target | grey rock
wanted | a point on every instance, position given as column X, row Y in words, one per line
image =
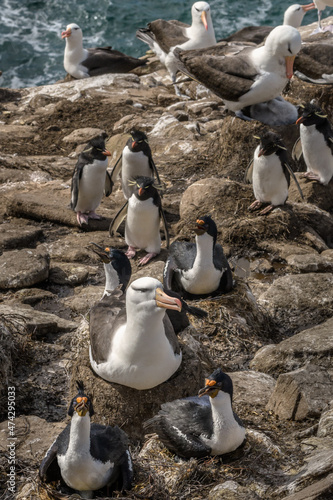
column 22, row 268
column 325, row 427
column 317, row 466
column 15, row 236
column 303, row 393
column 314, row 344
column 38, row 323
column 300, row 300
column 252, row 388
column 82, row 135
column 68, row 274
column 311, row 263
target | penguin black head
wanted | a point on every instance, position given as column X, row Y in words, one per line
column 95, row 149
column 144, row 188
column 217, row 381
column 270, row 143
column 204, row 225
column 117, row 259
column 138, row 141
column 312, row 114
column 80, row 403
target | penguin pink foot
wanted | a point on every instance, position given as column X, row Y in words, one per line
column 130, row 252
column 93, row 215
column 82, row 218
column 255, row 205
column 267, row 210
column 147, row 258
column 311, row 176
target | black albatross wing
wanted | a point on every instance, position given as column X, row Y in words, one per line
column 229, row 77
column 105, row 318
column 166, row 34
column 104, row 60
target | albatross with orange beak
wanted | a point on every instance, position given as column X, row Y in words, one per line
column 244, row 76
column 82, row 63
column 133, row 343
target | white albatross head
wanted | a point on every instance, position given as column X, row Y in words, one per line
column 146, row 295
column 293, row 16
column 73, row 34
column 201, row 14
column 284, row 42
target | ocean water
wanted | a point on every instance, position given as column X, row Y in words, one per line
column 31, row 48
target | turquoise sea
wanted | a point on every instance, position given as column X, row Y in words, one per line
column 31, row 48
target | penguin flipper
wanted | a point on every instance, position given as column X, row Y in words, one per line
column 290, row 170
column 77, row 174
column 154, row 169
column 297, row 150
column 118, row 219
column 249, row 173
column 165, row 227
column 116, row 170
column 108, row 184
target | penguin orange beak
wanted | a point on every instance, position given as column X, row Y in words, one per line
column 309, row 6
column 300, row 120
column 106, row 152
column 66, row 34
column 165, row 301
column 141, row 191
column 204, row 19
column 133, row 144
column 261, row 152
column 289, row 66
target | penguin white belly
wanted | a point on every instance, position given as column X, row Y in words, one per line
column 269, row 182
column 133, row 165
column 91, row 186
column 142, row 229
column 141, row 365
column 318, row 156
column 201, row 279
column 83, row 473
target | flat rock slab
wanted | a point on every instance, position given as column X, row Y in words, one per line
column 38, row 323
column 82, row 135
column 311, row 263
column 303, row 393
column 23, row 268
column 26, row 167
column 299, row 300
column 51, row 203
column 252, row 388
column 322, row 489
column 314, row 344
column 34, row 436
column 14, row 236
column 68, row 274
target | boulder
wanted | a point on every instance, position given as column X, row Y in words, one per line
column 303, row 393
column 299, row 300
column 22, row 268
column 314, row 344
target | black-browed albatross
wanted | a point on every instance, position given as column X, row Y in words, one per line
column 135, row 345
column 82, row 63
column 250, row 75
column 163, row 36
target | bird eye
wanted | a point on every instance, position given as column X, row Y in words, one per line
column 197, row 9
column 289, row 49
